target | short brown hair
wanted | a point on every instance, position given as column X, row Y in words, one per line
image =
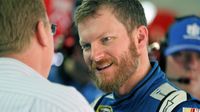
column 18, row 21
column 128, row 12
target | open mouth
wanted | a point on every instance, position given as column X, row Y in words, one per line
column 103, row 67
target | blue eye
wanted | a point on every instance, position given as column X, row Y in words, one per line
column 106, row 39
column 85, row 46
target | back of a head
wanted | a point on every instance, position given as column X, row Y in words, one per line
column 18, row 20
column 129, row 12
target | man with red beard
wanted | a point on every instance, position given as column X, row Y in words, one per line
column 113, row 37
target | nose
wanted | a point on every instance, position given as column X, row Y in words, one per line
column 192, row 63
column 97, row 52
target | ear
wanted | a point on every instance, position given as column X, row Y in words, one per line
column 142, row 37
column 41, row 34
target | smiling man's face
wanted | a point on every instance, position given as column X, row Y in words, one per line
column 108, row 50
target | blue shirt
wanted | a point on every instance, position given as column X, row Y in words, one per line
column 23, row 90
column 153, row 94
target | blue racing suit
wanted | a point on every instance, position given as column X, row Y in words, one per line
column 153, row 94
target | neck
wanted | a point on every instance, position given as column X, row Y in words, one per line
column 32, row 57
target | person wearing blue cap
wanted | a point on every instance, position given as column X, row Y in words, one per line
column 183, row 54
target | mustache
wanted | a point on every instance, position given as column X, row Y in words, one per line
column 95, row 64
column 182, row 80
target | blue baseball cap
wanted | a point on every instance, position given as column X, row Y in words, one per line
column 184, row 35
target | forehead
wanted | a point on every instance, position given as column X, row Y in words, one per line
column 104, row 22
column 102, row 15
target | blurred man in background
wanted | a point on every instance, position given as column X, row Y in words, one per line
column 26, row 51
column 183, row 54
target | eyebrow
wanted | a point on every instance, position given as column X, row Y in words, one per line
column 105, row 34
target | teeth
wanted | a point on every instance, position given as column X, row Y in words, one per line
column 103, row 66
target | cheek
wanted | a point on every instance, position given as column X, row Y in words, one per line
column 86, row 58
column 119, row 49
column 52, row 47
column 174, row 68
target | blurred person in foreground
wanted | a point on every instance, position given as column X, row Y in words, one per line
column 26, row 50
column 183, row 54
column 113, row 36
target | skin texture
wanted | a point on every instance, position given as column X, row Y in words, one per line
column 189, row 69
column 117, row 60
